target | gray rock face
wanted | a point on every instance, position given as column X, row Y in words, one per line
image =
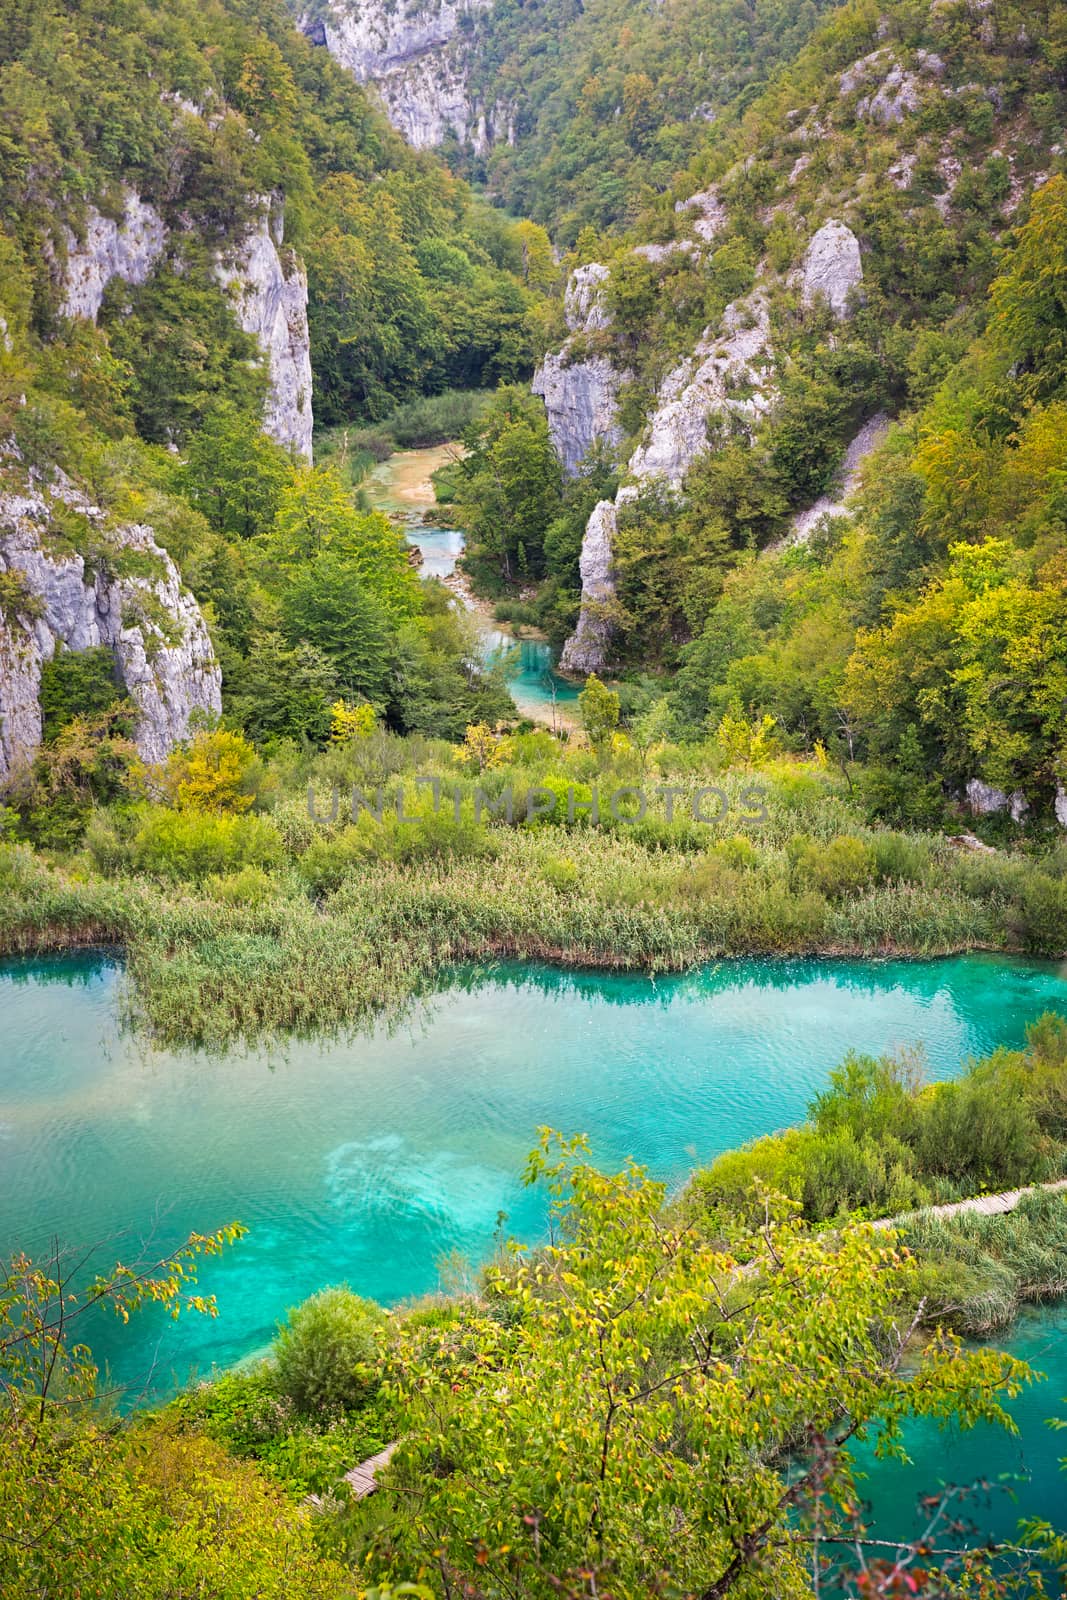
column 891, row 92
column 128, row 250
column 584, row 307
column 984, row 800
column 710, row 217
column 270, row 300
column 581, row 401
column 152, row 625
column 729, row 372
column 835, row 504
column 586, row 649
column 832, row 268
column 270, row 295
column 404, row 51
column 580, row 395
column 1060, row 805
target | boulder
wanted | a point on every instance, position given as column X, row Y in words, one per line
column 832, row 268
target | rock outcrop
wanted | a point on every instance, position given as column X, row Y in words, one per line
column 581, row 392
column 581, row 399
column 127, row 249
column 584, row 304
column 730, row 374
column 270, row 295
column 710, row 213
column 985, row 800
column 832, row 268
column 270, row 298
column 587, row 648
column 407, row 53
column 128, row 596
column 727, row 373
column 835, row 504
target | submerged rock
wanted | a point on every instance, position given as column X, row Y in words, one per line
column 125, row 594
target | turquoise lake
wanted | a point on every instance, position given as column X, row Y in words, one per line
column 371, row 1158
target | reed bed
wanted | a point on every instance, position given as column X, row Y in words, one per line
column 341, row 923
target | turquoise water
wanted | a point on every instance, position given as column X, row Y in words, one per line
column 440, row 547
column 1023, row 1471
column 369, row 1159
column 532, row 681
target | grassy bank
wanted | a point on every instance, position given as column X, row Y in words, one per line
column 353, row 449
column 880, row 1142
column 273, row 921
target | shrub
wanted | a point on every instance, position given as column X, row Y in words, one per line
column 248, row 887
column 732, row 1181
column 327, row 1351
column 74, row 684
column 1039, row 918
column 193, row 845
column 846, row 1173
column 560, row 874
column 898, row 858
column 835, row 869
column 976, row 1134
column 216, row 771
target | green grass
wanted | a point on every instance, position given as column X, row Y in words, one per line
column 354, row 448
column 348, row 922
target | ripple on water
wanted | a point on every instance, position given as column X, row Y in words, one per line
column 367, row 1159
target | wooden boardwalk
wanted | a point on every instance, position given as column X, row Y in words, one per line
column 983, row 1205
column 363, row 1479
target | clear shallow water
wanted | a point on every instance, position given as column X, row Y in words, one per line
column 403, row 485
column 532, row 682
column 1023, row 1470
column 441, row 548
column 369, row 1159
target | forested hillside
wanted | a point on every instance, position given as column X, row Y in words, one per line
column 205, row 231
column 878, row 236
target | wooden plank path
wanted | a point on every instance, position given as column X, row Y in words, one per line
column 363, row 1479
column 984, row 1205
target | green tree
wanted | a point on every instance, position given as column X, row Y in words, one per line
column 618, row 1416
column 599, row 709
column 234, row 473
column 508, row 488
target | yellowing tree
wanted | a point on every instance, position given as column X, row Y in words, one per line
column 351, row 722
column 214, row 772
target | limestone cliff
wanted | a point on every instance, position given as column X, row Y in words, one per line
column 270, row 293
column 580, row 391
column 269, row 288
column 413, row 56
column 126, row 249
column 729, row 373
column 125, row 593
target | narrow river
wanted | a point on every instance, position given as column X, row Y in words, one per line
column 403, row 488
